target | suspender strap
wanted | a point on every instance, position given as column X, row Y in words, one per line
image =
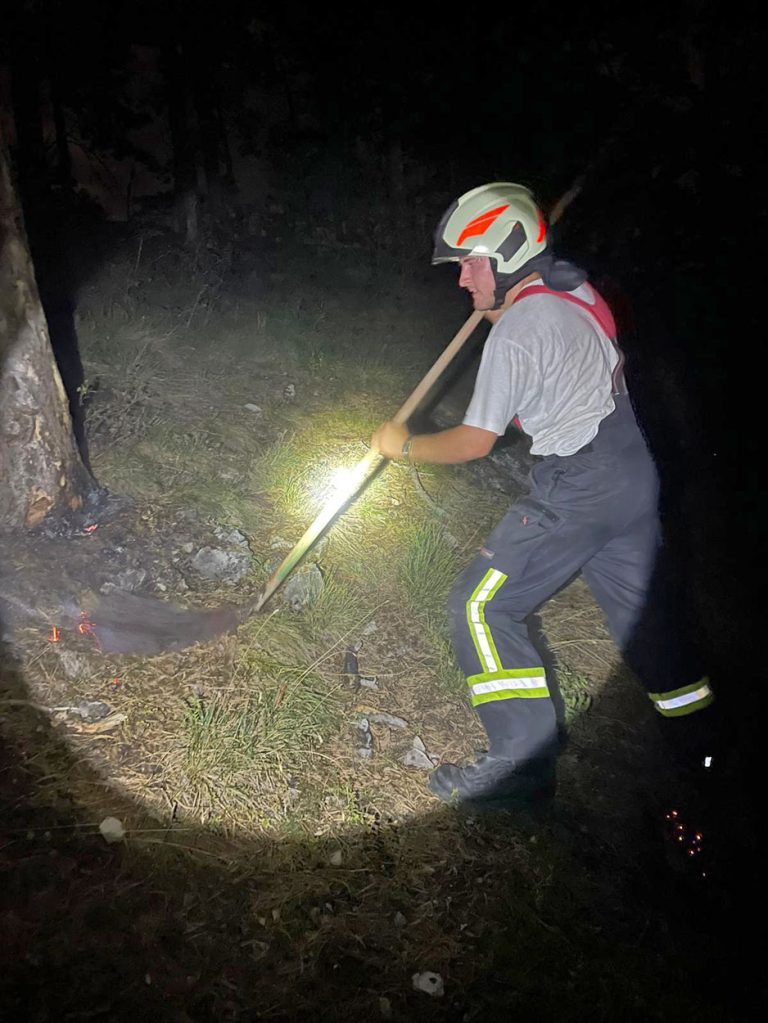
column 599, row 312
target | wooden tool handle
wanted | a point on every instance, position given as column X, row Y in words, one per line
column 429, row 379
column 364, row 469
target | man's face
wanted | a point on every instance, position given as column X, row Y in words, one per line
column 477, row 277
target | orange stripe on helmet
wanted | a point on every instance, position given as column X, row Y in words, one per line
column 481, row 224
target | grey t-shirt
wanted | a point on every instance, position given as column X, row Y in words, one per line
column 547, row 362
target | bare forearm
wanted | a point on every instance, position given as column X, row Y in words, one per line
column 450, row 447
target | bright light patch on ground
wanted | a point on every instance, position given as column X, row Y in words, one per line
column 335, row 486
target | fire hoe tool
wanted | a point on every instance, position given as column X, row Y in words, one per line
column 366, row 468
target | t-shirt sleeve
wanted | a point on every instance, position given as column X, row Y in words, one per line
column 506, row 373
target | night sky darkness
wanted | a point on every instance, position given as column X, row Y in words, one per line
column 349, row 116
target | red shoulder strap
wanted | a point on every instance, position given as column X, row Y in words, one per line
column 599, row 310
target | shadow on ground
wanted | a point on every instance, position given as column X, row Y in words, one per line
column 572, row 914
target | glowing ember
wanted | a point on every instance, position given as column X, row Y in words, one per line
column 55, row 635
column 86, row 627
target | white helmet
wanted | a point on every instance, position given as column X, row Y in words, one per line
column 500, row 220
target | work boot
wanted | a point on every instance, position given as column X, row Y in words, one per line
column 494, row 779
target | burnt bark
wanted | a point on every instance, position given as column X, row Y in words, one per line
column 41, row 472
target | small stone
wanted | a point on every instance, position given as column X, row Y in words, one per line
column 289, row 392
column 90, row 710
column 187, row 547
column 232, row 536
column 415, row 758
column 253, row 408
column 364, row 733
column 385, row 1008
column 112, row 830
column 336, row 858
column 369, row 628
column 365, row 752
column 217, row 565
column 400, row 920
column 368, row 683
column 387, row 719
column 428, row 982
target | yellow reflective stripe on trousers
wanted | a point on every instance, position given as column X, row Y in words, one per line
column 481, row 634
column 685, row 700
column 509, row 684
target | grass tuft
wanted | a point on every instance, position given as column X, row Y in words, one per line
column 429, row 568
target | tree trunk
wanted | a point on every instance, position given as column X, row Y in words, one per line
column 183, row 147
column 40, row 470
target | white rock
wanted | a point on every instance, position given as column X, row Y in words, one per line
column 428, row 982
column 112, row 829
column 380, row 718
column 336, row 858
column 415, row 758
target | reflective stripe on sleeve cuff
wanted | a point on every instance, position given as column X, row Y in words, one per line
column 683, row 701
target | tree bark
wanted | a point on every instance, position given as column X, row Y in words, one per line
column 182, row 144
column 40, row 469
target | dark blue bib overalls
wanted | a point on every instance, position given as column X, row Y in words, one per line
column 594, row 513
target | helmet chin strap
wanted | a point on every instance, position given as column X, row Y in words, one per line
column 557, row 274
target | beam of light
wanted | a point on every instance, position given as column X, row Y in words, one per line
column 345, row 486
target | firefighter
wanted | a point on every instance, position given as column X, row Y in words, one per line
column 551, row 366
